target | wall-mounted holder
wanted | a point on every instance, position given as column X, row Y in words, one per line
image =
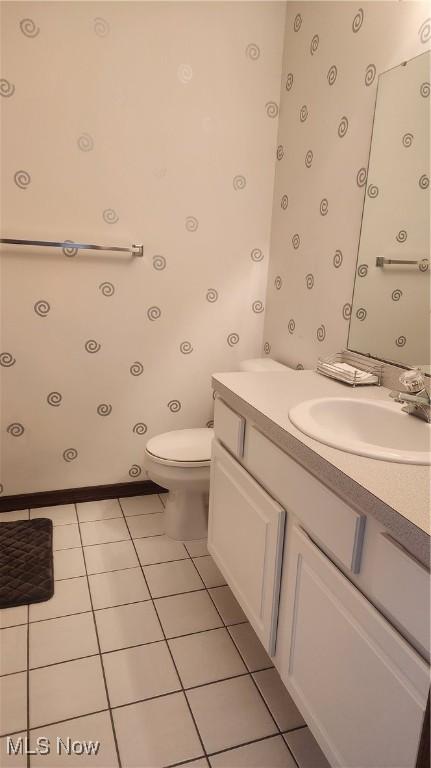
column 350, row 368
column 132, row 250
column 423, row 264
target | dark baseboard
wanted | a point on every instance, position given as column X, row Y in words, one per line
column 73, row 495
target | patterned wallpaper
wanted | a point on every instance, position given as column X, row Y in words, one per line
column 391, row 306
column 129, row 122
column 333, row 54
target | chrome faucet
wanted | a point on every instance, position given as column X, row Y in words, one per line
column 417, row 398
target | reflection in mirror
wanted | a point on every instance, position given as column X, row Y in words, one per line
column 390, row 312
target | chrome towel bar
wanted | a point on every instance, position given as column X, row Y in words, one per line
column 381, row 261
column 133, row 250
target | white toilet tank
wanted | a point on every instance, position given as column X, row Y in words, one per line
column 262, row 364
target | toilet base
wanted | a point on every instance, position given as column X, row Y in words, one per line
column 186, row 515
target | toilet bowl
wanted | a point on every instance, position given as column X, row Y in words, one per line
column 180, row 462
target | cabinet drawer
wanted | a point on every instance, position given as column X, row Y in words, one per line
column 338, row 527
column 401, row 586
column 245, row 537
column 360, row 687
column 229, row 427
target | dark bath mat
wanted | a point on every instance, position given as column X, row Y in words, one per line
column 26, row 562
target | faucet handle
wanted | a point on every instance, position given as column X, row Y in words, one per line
column 395, row 396
column 413, row 380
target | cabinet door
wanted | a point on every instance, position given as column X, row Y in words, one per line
column 361, row 688
column 245, row 537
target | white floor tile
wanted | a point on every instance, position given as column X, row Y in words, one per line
column 104, row 531
column 156, row 733
column 11, row 617
column 61, row 514
column 13, row 689
column 70, row 637
column 140, row 673
column 281, row 704
column 104, row 509
column 10, row 760
column 172, row 578
column 127, row 625
column 146, row 525
column 118, row 588
column 230, row 713
column 70, row 596
column 270, row 752
column 17, row 514
column 209, row 571
column 305, row 749
column 206, row 657
column 141, row 505
column 90, row 728
column 159, row 549
column 250, row 647
column 13, row 649
column 196, row 548
column 110, row 557
column 230, row 610
column 66, row 536
column 66, row 690
column 68, row 563
column 183, row 614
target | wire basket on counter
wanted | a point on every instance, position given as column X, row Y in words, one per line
column 351, row 368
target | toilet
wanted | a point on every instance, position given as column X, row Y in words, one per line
column 180, row 462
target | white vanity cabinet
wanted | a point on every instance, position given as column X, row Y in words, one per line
column 359, row 685
column 313, row 576
column 245, row 538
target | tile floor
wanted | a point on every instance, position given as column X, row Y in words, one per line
column 144, row 648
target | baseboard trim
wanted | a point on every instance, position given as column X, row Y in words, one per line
column 74, row 495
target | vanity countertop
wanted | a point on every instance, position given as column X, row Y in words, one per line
column 398, row 495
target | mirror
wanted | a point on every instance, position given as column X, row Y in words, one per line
column 391, row 300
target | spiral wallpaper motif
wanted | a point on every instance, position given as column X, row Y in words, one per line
column 101, row 351
column 333, row 55
column 6, row 88
column 54, row 399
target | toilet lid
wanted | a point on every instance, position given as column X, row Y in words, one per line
column 182, row 445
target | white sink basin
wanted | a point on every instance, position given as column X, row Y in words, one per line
column 366, row 427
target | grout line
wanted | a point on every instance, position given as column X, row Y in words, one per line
column 115, row 541
column 162, row 562
column 65, row 661
column 252, row 741
column 138, row 645
column 12, row 626
column 100, row 519
column 189, row 762
column 296, row 728
column 102, row 543
column 100, row 655
column 167, row 645
column 61, row 616
column 60, row 722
